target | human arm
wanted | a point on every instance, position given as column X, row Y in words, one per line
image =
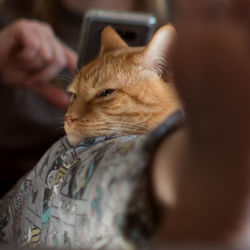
column 211, row 64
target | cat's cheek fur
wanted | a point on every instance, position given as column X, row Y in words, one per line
column 72, row 137
column 74, row 140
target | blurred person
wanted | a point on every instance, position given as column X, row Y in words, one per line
column 32, row 113
column 211, row 184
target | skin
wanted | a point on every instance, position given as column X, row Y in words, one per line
column 31, row 56
column 208, row 161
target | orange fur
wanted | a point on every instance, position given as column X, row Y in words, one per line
column 141, row 99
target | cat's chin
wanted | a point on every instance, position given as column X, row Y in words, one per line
column 74, row 140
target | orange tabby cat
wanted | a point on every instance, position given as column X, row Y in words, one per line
column 122, row 91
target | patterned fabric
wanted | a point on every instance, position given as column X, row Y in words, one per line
column 92, row 196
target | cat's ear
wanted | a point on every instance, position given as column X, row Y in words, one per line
column 110, row 40
column 155, row 54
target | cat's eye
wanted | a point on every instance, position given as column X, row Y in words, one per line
column 106, row 92
column 73, row 96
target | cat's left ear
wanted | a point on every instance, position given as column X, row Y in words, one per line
column 110, row 40
column 155, row 54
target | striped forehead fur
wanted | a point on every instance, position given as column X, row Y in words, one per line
column 119, row 65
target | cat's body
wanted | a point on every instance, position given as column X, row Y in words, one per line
column 121, row 92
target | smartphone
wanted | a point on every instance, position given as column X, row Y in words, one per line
column 136, row 28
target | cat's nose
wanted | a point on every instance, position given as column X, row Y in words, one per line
column 70, row 119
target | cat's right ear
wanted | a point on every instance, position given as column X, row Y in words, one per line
column 155, row 56
column 110, row 40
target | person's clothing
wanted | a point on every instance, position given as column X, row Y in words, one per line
column 29, row 124
column 97, row 195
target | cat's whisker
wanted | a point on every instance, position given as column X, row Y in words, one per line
column 77, row 69
column 60, row 128
column 132, row 128
column 129, row 127
column 66, row 73
column 66, row 76
column 60, row 123
column 63, row 79
column 127, row 123
column 118, row 132
column 121, row 126
column 121, row 129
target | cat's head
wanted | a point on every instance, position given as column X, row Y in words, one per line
column 122, row 91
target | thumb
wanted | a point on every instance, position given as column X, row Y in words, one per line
column 52, row 94
column 71, row 58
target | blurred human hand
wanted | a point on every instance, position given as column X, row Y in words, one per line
column 31, row 56
column 211, row 64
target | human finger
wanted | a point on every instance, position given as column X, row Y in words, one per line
column 27, row 38
column 44, row 54
column 57, row 63
column 16, row 37
column 71, row 59
column 58, row 49
column 52, row 94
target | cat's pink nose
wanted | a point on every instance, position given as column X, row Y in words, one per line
column 70, row 119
